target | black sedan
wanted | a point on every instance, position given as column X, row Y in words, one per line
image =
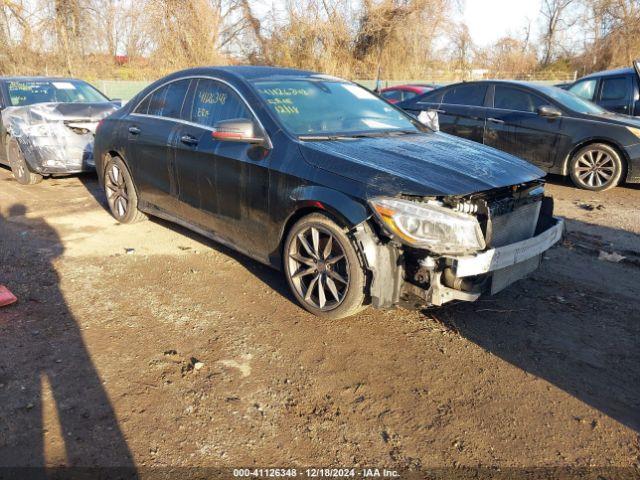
column 354, row 199
column 552, row 128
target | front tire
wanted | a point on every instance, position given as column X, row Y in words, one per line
column 596, row 167
column 323, row 268
column 121, row 193
column 18, row 164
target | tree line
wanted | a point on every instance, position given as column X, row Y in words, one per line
column 395, row 39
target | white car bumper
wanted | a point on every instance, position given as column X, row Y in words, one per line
column 509, row 255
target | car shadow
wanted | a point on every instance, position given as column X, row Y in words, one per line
column 574, row 323
column 266, row 274
column 46, row 371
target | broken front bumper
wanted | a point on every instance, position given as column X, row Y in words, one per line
column 487, row 272
column 506, row 265
column 503, row 257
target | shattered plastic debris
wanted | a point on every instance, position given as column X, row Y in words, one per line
column 610, row 257
column 6, row 297
column 56, row 137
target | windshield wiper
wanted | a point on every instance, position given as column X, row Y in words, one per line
column 314, row 138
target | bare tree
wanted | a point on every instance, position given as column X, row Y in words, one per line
column 554, row 21
column 462, row 47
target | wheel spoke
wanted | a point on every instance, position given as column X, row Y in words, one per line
column 309, row 292
column 303, row 272
column 122, row 206
column 306, row 245
column 304, row 260
column 315, row 238
column 585, row 161
column 327, row 248
column 334, row 259
column 331, row 285
column 336, row 276
column 322, row 298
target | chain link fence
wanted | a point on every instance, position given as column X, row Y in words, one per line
column 125, row 89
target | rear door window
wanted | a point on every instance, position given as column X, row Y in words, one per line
column 214, row 101
column 509, row 98
column 167, row 101
column 615, row 88
column 472, row 95
column 585, row 89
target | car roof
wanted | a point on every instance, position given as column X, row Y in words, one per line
column 249, row 72
column 518, row 83
column 607, row 73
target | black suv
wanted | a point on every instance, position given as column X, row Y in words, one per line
column 614, row 90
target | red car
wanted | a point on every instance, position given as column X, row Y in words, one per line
column 399, row 93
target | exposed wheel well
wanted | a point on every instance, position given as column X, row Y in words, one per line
column 617, row 148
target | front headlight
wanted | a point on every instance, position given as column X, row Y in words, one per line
column 634, row 131
column 432, row 227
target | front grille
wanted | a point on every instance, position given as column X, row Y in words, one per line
column 514, row 226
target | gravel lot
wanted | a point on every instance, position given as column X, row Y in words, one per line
column 150, row 345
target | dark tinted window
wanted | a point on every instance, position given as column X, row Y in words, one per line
column 166, row 101
column 408, row 95
column 614, row 88
column 392, row 95
column 214, row 101
column 509, row 98
column 144, row 106
column 431, row 97
column 466, row 95
column 156, row 104
column 174, row 98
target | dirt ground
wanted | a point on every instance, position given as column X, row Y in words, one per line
column 148, row 345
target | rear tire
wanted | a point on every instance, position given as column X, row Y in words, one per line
column 323, row 268
column 121, row 192
column 19, row 167
column 596, row 167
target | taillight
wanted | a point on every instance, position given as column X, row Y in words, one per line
column 99, row 125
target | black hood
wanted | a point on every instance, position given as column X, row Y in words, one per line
column 430, row 164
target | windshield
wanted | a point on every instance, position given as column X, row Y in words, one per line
column 573, row 102
column 324, row 108
column 28, row 92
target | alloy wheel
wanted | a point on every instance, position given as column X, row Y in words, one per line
column 595, row 168
column 319, row 268
column 116, row 190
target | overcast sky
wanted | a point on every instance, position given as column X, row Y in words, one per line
column 489, row 20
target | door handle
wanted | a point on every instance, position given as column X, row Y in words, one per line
column 134, row 130
column 495, row 120
column 189, row 140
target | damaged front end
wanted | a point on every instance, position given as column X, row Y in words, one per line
column 56, row 138
column 456, row 247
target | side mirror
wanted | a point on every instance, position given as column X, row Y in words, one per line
column 117, row 102
column 430, row 119
column 237, row 130
column 549, row 111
